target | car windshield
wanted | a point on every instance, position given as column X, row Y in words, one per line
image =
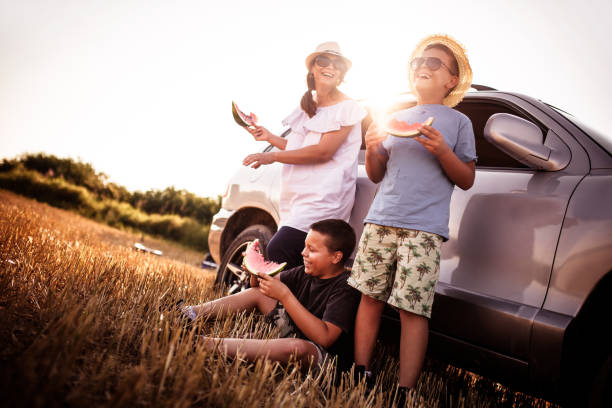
column 605, row 141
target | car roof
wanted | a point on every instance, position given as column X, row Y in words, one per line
column 404, row 100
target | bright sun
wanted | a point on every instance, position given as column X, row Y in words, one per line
column 379, row 92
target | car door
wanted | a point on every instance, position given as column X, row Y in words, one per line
column 496, row 266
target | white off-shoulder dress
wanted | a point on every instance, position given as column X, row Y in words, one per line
column 314, row 192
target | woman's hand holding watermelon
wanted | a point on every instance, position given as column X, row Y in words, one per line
column 260, row 133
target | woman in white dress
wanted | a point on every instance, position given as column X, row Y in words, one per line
column 319, row 155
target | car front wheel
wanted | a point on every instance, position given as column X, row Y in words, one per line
column 601, row 389
column 230, row 273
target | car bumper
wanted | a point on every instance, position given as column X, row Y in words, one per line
column 216, row 232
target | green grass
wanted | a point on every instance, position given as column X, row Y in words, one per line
column 60, row 193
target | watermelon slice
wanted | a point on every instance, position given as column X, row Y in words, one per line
column 405, row 129
column 255, row 263
column 242, row 118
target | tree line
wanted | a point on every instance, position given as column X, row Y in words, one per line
column 177, row 215
column 167, row 201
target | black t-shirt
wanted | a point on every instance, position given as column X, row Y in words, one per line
column 331, row 300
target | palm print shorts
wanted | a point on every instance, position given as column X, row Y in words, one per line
column 399, row 266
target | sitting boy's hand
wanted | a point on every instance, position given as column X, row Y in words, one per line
column 253, row 281
column 374, row 136
column 433, row 141
column 272, row 287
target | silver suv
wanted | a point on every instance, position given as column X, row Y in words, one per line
column 525, row 289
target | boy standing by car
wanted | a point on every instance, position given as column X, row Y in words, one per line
column 312, row 305
column 398, row 257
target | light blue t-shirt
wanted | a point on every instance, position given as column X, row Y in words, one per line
column 415, row 192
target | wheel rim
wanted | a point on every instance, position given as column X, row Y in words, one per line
column 234, row 277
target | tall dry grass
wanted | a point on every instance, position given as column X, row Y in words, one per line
column 85, row 322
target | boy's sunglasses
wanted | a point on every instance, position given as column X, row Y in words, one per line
column 432, row 63
column 324, row 61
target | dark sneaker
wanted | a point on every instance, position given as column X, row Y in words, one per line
column 401, row 396
column 360, row 372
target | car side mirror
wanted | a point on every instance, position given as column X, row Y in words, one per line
column 524, row 141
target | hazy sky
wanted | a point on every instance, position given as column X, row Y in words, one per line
column 142, row 89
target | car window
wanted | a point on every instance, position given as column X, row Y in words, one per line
column 489, row 155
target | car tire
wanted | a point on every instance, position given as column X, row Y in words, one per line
column 601, row 389
column 586, row 363
column 230, row 275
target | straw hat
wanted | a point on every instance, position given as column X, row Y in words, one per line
column 465, row 71
column 330, row 47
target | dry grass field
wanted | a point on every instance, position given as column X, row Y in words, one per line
column 84, row 321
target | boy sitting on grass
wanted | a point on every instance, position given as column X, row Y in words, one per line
column 398, row 259
column 312, row 304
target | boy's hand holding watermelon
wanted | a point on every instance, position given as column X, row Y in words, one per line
column 375, row 135
column 273, row 288
column 433, row 141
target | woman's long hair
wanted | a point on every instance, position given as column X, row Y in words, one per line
column 308, row 103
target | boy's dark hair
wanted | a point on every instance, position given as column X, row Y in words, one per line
column 442, row 47
column 340, row 236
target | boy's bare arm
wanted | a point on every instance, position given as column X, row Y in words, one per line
column 322, row 333
column 376, row 156
column 318, row 331
column 460, row 173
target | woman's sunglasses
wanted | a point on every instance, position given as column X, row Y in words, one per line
column 324, row 61
column 432, row 63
